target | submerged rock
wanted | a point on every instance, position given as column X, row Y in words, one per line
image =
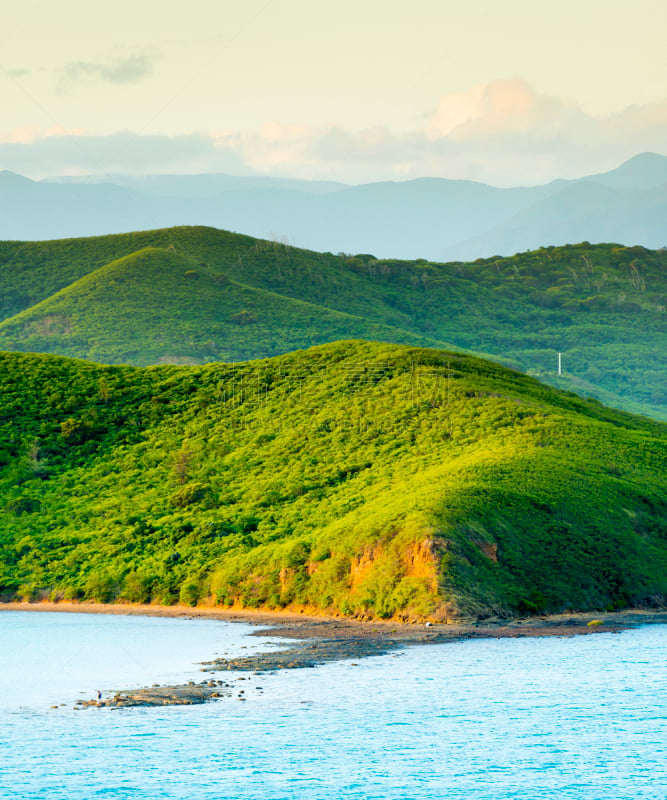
column 187, row 695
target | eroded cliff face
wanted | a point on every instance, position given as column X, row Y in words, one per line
column 416, row 560
column 406, row 572
column 396, row 577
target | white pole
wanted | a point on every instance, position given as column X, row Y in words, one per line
column 560, row 372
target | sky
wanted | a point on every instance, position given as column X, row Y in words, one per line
column 512, row 92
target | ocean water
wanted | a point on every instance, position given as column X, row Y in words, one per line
column 582, row 717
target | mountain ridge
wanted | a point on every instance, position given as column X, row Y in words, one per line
column 154, row 299
column 600, row 306
column 434, row 218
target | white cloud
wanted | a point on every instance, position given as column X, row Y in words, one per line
column 503, row 132
column 502, row 107
column 58, row 152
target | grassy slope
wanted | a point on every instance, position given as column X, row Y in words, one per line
column 157, row 306
column 354, row 477
column 601, row 305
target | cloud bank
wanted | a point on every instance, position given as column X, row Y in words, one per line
column 61, row 152
column 503, row 132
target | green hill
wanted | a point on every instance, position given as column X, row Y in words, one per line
column 157, row 306
column 358, row 478
column 601, row 306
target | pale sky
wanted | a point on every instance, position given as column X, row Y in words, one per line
column 503, row 90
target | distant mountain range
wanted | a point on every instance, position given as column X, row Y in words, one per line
column 432, row 218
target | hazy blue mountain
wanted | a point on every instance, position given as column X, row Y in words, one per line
column 643, row 171
column 419, row 218
column 430, row 218
column 198, row 186
column 583, row 211
column 32, row 210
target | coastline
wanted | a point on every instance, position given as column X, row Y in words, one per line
column 315, row 640
column 293, row 624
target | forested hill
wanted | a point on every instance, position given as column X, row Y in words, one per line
column 356, row 478
column 192, row 295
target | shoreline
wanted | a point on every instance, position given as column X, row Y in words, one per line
column 292, row 624
column 315, row 640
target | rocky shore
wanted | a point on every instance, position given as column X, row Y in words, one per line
column 312, row 641
column 189, row 694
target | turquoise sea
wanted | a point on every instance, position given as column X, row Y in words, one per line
column 582, row 717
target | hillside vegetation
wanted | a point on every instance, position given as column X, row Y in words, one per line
column 153, row 307
column 196, row 295
column 357, row 478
